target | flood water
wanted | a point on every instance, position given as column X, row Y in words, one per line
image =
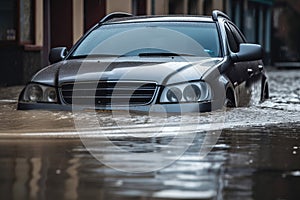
column 241, row 153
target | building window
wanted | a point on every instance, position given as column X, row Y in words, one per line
column 139, row 7
column 207, row 7
column 8, row 16
column 193, row 7
column 176, row 6
column 17, row 22
column 26, row 21
column 94, row 10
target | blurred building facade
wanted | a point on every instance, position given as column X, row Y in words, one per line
column 30, row 28
column 286, row 28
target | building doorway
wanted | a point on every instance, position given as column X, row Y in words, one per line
column 94, row 10
column 61, row 24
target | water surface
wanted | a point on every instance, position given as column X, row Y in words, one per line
column 256, row 155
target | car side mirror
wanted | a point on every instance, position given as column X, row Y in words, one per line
column 248, row 52
column 57, row 54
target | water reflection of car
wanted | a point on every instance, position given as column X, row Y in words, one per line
column 152, row 63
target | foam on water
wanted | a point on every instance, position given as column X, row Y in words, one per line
column 282, row 107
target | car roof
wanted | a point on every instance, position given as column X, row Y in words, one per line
column 162, row 18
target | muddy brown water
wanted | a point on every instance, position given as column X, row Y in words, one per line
column 253, row 152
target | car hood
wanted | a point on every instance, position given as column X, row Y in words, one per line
column 162, row 71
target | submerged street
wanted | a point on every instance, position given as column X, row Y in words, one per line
column 241, row 153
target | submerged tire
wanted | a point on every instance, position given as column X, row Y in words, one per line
column 230, row 100
column 229, row 103
column 265, row 92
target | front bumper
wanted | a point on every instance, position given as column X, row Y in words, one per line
column 156, row 108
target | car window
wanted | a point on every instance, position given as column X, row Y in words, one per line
column 231, row 39
column 133, row 39
column 237, row 34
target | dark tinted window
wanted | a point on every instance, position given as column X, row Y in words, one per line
column 237, row 35
column 234, row 36
column 231, row 39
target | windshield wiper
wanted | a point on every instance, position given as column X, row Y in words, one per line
column 78, row 57
column 149, row 54
column 93, row 56
column 163, row 54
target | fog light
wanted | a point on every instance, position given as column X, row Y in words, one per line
column 174, row 94
column 191, row 93
column 35, row 93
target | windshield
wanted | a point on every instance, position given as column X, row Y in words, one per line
column 152, row 39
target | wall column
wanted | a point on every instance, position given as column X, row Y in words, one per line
column 268, row 27
column 78, row 18
column 46, row 33
column 149, row 7
column 39, row 16
column 117, row 5
column 229, row 8
column 217, row 5
column 261, row 26
column 185, row 7
column 200, row 7
column 237, row 18
column 161, row 7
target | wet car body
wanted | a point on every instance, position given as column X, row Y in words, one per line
column 161, row 81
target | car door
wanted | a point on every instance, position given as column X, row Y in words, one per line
column 254, row 70
column 253, row 66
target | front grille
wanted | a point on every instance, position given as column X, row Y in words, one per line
column 108, row 93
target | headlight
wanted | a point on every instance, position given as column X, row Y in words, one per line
column 50, row 95
column 174, row 94
column 39, row 93
column 188, row 92
column 34, row 93
column 192, row 93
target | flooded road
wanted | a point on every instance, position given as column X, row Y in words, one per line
column 242, row 153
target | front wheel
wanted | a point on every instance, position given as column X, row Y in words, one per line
column 228, row 103
column 230, row 100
